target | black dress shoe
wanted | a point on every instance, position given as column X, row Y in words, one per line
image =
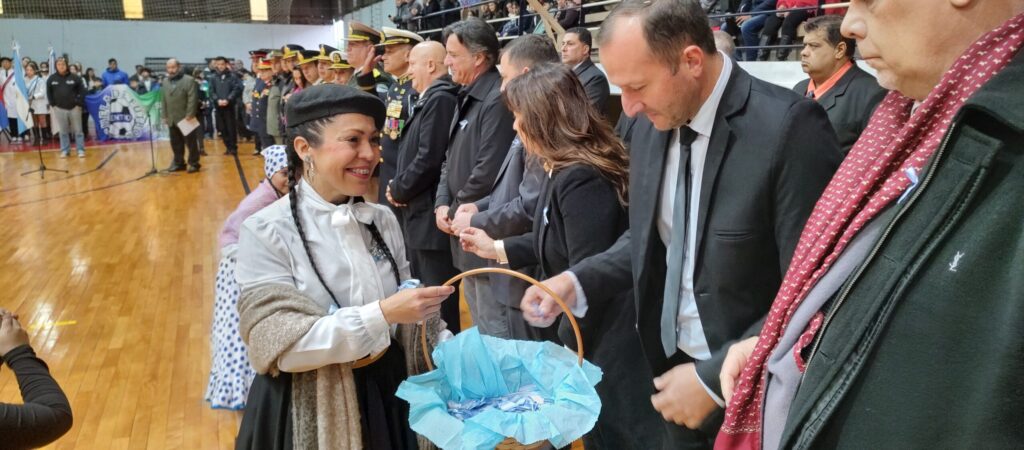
column 175, row 168
column 193, row 169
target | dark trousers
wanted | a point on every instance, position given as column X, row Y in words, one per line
column 178, row 143
column 433, row 268
column 227, row 126
column 242, row 118
column 263, row 140
column 788, row 25
column 680, row 437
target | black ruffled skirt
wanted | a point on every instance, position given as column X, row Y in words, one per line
column 267, row 421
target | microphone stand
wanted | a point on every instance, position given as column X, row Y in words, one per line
column 42, row 167
column 152, row 150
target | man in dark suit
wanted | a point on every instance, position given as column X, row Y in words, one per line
column 576, row 47
column 418, row 169
column 848, row 94
column 509, row 210
column 225, row 92
column 480, row 135
column 724, row 171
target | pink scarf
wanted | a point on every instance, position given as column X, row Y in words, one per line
column 871, row 177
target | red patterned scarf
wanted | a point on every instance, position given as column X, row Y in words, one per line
column 871, row 177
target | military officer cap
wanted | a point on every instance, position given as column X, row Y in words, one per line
column 329, row 100
column 291, row 51
column 362, row 32
column 261, row 53
column 308, row 56
column 275, row 54
column 264, row 64
column 325, row 52
column 338, row 61
column 394, row 36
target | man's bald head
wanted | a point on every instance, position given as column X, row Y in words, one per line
column 426, row 64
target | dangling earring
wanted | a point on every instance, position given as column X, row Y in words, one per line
column 310, row 169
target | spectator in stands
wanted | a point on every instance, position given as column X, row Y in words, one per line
column 181, row 102
column 511, row 27
column 508, row 211
column 788, row 22
column 37, row 104
column 46, row 414
column 576, row 45
column 848, row 94
column 480, row 139
column 415, row 11
column 66, row 95
column 403, row 12
column 432, row 22
column 225, row 91
column 452, row 16
column 113, row 75
column 751, row 24
column 569, row 15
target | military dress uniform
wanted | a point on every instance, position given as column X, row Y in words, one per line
column 378, row 82
column 398, row 104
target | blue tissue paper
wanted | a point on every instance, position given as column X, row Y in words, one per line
column 485, row 389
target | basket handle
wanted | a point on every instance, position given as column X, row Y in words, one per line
column 511, row 273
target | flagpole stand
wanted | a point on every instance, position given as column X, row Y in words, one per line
column 42, row 166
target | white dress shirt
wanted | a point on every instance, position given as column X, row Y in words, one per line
column 270, row 252
column 690, row 332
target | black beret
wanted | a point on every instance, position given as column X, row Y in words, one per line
column 329, row 100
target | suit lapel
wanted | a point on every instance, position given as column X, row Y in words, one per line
column 649, row 150
column 829, row 101
column 735, row 97
column 541, row 221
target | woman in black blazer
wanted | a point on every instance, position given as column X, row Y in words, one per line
column 581, row 212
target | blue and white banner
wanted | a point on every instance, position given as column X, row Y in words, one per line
column 122, row 114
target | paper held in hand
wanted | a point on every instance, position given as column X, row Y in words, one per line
column 187, row 125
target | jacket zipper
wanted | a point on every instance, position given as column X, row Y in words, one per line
column 878, row 245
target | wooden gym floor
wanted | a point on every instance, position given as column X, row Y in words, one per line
column 114, row 277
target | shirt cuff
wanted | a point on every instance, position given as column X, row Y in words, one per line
column 499, row 248
column 377, row 327
column 580, row 308
column 712, row 393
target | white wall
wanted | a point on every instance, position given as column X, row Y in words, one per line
column 93, row 42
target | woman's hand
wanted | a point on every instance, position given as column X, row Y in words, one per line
column 475, row 240
column 414, row 305
column 12, row 335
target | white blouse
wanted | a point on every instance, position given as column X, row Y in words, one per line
column 270, row 252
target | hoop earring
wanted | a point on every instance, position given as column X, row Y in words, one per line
column 310, row 169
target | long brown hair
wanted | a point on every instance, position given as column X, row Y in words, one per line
column 561, row 126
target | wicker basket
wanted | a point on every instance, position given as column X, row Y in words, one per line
column 510, row 443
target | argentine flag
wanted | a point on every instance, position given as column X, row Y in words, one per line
column 21, row 94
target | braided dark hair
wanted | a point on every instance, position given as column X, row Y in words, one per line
column 310, row 131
